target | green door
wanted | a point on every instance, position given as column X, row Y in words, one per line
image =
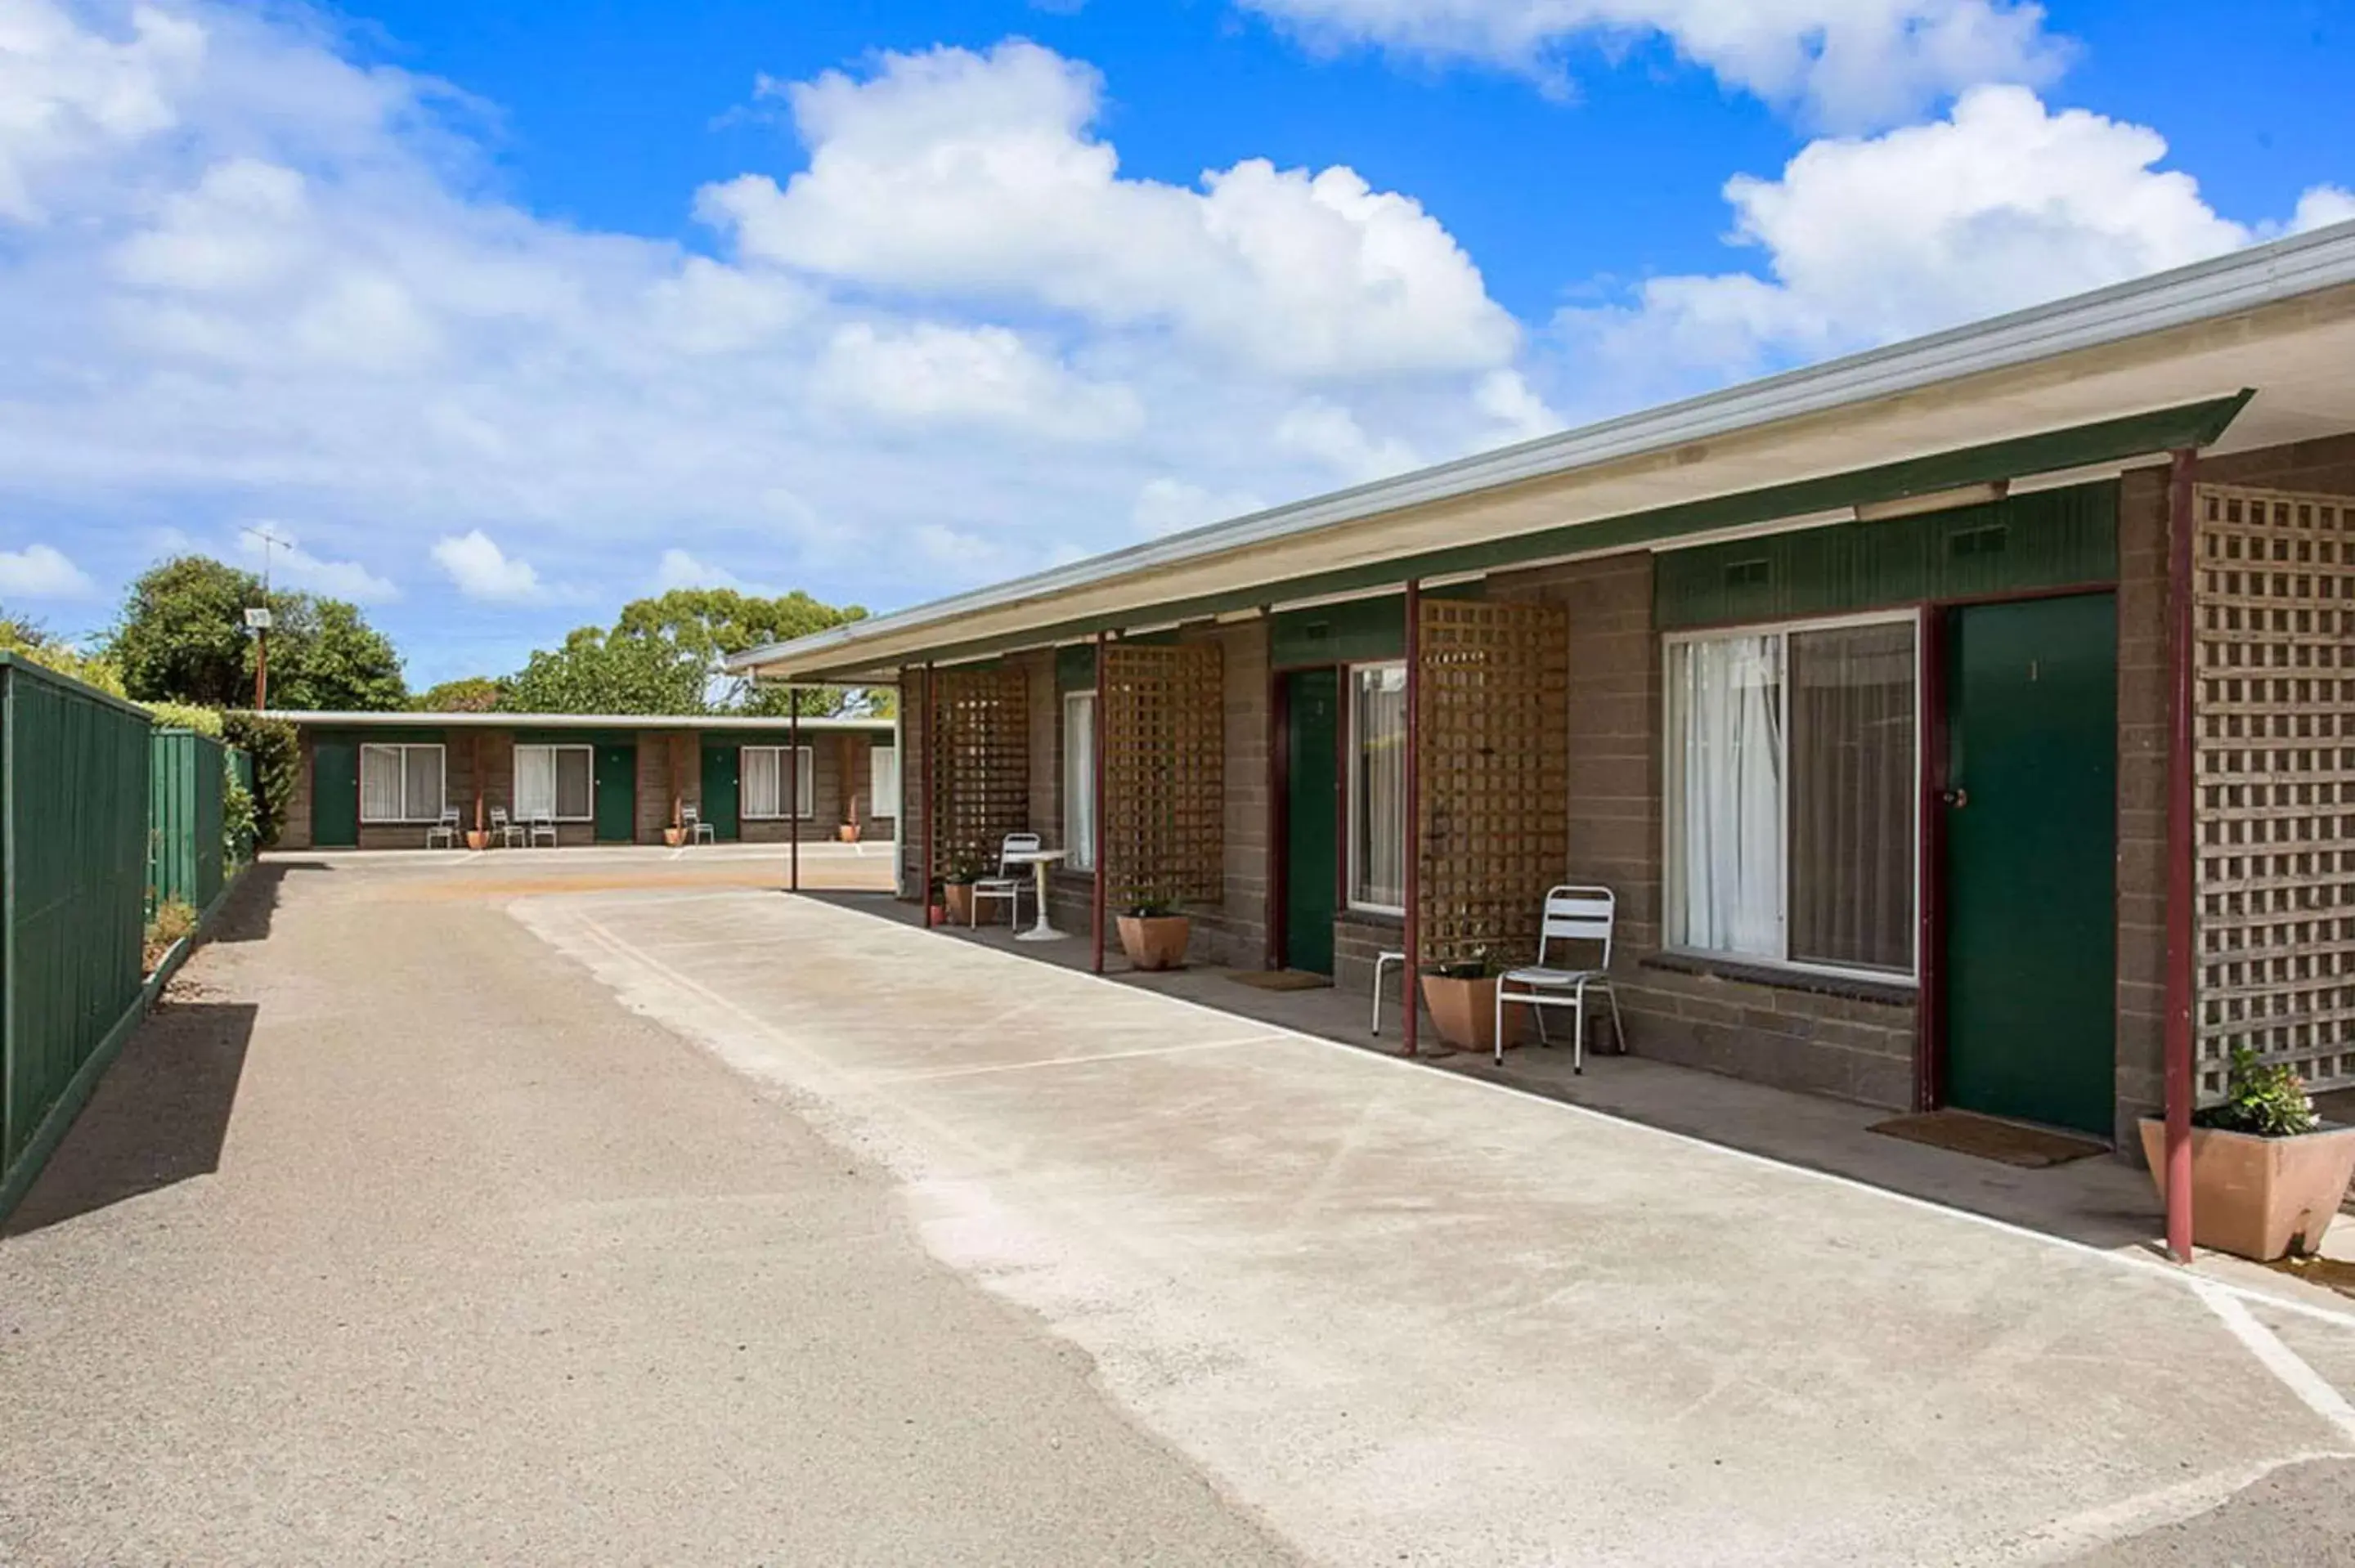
column 335, row 794
column 617, row 794
column 2031, row 971
column 720, row 788
column 1312, row 836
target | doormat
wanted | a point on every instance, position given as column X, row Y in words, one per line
column 1279, row 979
column 1965, row 1132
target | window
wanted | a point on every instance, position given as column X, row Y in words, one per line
column 1378, row 787
column 554, row 781
column 1791, row 769
column 400, row 783
column 883, row 781
column 765, row 784
column 1080, row 781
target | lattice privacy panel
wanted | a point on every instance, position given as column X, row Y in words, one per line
column 1495, row 744
column 981, row 762
column 1165, row 782
column 2273, row 782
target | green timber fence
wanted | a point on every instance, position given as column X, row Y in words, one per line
column 73, row 832
column 189, row 856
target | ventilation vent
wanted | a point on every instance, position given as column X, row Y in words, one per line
column 1746, row 574
column 1987, row 541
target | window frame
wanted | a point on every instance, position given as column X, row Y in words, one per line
column 807, row 801
column 1354, row 757
column 403, row 747
column 1671, row 814
column 1078, row 849
column 556, row 790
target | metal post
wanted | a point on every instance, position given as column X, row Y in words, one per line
column 793, row 781
column 1096, row 817
column 1410, row 979
column 926, row 730
column 262, row 669
column 2181, row 526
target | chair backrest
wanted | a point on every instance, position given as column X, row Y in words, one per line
column 687, row 814
column 1015, row 843
column 498, row 816
column 1577, row 915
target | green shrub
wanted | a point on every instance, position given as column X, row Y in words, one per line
column 175, row 920
column 277, row 760
column 187, row 715
column 2269, row 1101
column 238, row 820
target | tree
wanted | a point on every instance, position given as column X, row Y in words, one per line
column 712, row 623
column 181, row 638
column 467, row 694
column 599, row 672
column 31, row 640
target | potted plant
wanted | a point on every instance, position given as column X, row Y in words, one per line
column 956, row 888
column 1154, row 932
column 1462, row 996
column 2267, row 1175
column 478, row 837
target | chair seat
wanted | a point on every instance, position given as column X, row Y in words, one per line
column 1000, row 884
column 1552, row 977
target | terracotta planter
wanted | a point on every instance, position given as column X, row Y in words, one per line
column 1155, row 941
column 477, row 839
column 958, row 896
column 1465, row 1013
column 847, row 833
column 938, row 914
column 2258, row 1197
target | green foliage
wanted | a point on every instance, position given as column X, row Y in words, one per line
column 277, row 758
column 30, row 640
column 1484, row 963
column 598, row 671
column 181, row 638
column 239, row 821
column 175, row 920
column 708, row 624
column 2269, row 1101
column 468, row 694
column 181, row 716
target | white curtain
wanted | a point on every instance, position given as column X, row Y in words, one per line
column 883, row 781
column 422, row 792
column 1378, row 793
column 764, row 791
column 535, row 781
column 380, row 784
column 1080, row 779
column 1728, row 768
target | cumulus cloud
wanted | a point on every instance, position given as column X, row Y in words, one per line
column 927, row 373
column 678, row 569
column 978, row 175
column 1168, row 505
column 2002, row 205
column 289, row 563
column 1842, row 63
column 482, row 570
column 43, row 571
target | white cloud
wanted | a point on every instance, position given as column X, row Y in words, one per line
column 2322, row 207
column 1326, row 433
column 42, row 572
column 927, row 373
column 957, row 174
column 290, row 563
column 1168, row 506
column 678, row 569
column 71, row 93
column 1845, row 63
column 2004, row 204
column 482, row 570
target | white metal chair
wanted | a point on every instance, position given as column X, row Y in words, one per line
column 1571, row 915
column 1406, row 992
column 445, row 831
column 699, row 831
column 542, row 826
column 1011, row 881
column 505, row 829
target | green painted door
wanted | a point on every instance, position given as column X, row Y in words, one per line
column 1312, row 835
column 2031, row 970
column 335, row 794
column 617, row 794
column 720, row 781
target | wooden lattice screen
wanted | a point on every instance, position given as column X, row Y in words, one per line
column 981, row 762
column 2274, row 739
column 1495, row 733
column 1165, row 783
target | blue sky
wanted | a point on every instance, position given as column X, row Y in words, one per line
column 508, row 313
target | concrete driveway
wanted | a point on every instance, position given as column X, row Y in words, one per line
column 633, row 1213
column 1407, row 1316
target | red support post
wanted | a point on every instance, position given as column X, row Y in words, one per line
column 2183, row 527
column 1410, row 976
column 1096, row 817
column 793, row 781
column 929, row 802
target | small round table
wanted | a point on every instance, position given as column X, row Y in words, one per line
column 1040, row 859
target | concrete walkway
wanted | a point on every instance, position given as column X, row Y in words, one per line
column 390, row 1240
column 1412, row 1316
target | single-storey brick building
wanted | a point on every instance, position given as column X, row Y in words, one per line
column 382, row 780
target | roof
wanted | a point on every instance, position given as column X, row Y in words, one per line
column 2279, row 318
column 404, row 720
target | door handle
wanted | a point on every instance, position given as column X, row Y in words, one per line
column 1957, row 799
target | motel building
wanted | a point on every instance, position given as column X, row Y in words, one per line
column 1968, row 723
column 412, row 781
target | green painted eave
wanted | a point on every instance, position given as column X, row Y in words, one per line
column 2192, row 425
